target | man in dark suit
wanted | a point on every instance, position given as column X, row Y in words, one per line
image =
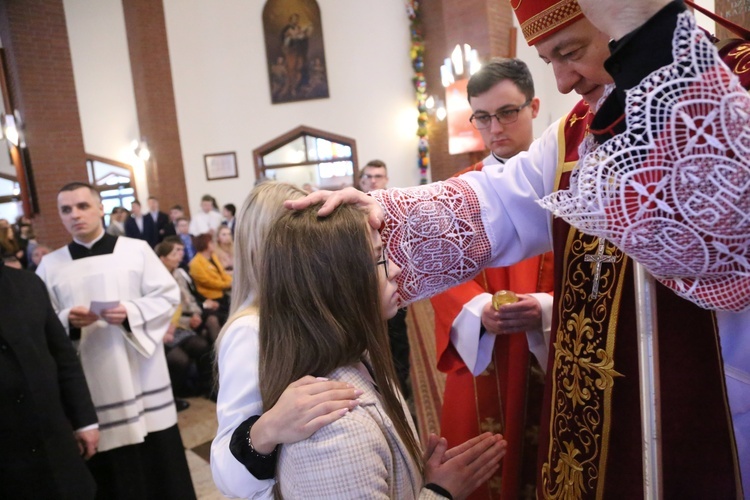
column 48, row 424
column 137, row 225
column 160, row 225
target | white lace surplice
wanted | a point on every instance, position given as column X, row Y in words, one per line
column 673, row 191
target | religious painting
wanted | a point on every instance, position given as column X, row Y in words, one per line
column 462, row 136
column 294, row 50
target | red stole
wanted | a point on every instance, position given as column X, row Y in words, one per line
column 590, row 435
column 495, row 400
column 736, row 54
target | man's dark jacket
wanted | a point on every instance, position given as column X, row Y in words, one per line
column 43, row 396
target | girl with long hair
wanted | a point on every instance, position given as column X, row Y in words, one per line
column 327, row 289
column 242, row 454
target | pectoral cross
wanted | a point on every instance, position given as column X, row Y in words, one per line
column 575, row 118
column 599, row 258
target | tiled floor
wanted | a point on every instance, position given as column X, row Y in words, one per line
column 198, row 428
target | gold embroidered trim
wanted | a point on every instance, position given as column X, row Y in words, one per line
column 549, row 19
column 742, row 53
column 583, row 374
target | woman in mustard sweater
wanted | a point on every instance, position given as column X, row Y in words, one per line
column 211, row 280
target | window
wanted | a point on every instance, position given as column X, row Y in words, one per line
column 308, row 157
column 114, row 181
column 10, row 196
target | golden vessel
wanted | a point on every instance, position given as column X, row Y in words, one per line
column 503, row 297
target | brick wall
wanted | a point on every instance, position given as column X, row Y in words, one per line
column 483, row 24
column 154, row 98
column 40, row 79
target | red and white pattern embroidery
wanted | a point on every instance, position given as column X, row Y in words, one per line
column 435, row 234
column 673, row 191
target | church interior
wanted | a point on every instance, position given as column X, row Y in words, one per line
column 177, row 99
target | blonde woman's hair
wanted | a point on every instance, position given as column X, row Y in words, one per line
column 320, row 307
column 261, row 208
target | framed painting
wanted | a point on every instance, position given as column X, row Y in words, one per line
column 294, row 50
column 220, row 166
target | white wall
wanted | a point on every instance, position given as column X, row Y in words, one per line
column 703, row 21
column 222, row 92
column 223, row 98
column 104, row 83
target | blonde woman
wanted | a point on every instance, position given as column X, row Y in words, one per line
column 242, row 454
column 327, row 289
column 225, row 248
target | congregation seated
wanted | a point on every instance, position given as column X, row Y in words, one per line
column 210, row 278
column 209, row 310
column 9, row 246
column 182, row 227
column 188, row 353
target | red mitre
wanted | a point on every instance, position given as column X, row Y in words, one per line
column 541, row 18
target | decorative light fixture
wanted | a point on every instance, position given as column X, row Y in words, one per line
column 436, row 107
column 413, row 10
column 141, row 150
column 11, row 128
column 460, row 59
column 457, row 60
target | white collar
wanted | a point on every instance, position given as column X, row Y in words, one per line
column 92, row 243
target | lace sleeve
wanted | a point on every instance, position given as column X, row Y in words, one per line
column 435, row 234
column 673, row 191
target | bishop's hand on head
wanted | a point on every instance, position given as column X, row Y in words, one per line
column 332, row 199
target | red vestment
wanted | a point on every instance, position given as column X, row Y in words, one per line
column 591, row 414
column 495, row 400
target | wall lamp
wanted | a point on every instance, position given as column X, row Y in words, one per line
column 141, row 150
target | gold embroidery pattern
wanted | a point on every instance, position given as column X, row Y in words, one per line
column 549, row 19
column 583, row 373
column 489, row 424
column 742, row 53
column 575, row 118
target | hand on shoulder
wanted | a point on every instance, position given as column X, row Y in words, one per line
column 304, row 407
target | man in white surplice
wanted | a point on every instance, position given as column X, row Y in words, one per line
column 116, row 300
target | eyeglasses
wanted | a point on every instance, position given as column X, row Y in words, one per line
column 504, row 116
column 383, row 262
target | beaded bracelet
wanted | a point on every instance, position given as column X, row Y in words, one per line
column 253, row 451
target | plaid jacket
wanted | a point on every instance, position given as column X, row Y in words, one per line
column 358, row 456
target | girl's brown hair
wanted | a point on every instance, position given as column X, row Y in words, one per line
column 261, row 208
column 320, row 307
